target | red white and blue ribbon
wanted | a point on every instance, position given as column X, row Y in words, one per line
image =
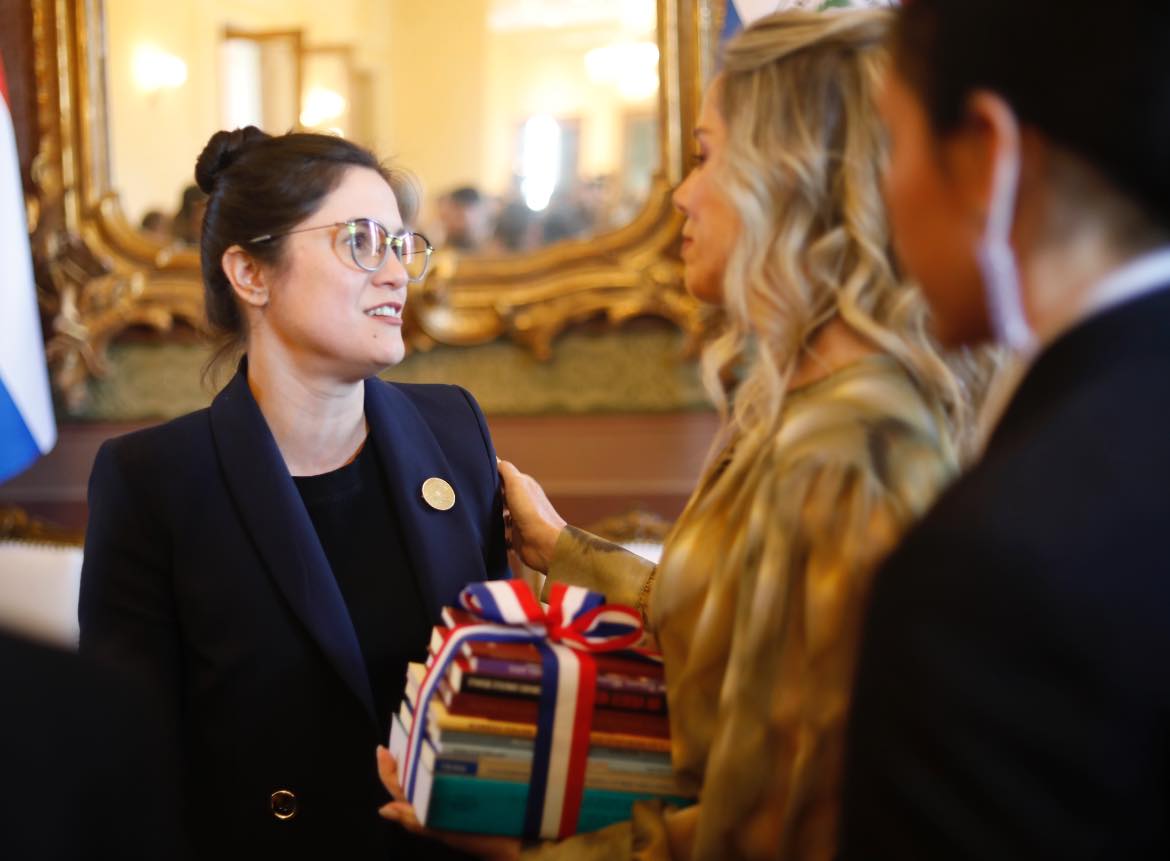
column 576, row 623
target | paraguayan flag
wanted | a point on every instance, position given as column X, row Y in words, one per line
column 27, row 428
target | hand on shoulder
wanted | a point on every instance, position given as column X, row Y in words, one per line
column 533, row 525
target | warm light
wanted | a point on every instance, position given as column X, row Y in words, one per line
column 632, row 67
column 540, row 160
column 639, row 85
column 156, row 70
column 633, row 16
column 639, row 17
column 321, row 105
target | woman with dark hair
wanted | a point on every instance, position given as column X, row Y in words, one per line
column 1010, row 700
column 267, row 566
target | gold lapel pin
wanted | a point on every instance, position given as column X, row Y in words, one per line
column 438, row 494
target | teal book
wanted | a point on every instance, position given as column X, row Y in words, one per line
column 472, row 804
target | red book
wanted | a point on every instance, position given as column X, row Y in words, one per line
column 462, row 679
column 523, row 710
column 531, row 672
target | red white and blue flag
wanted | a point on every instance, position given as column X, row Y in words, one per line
column 576, row 623
column 743, row 13
column 27, row 427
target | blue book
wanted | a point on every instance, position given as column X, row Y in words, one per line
column 472, row 804
column 467, row 745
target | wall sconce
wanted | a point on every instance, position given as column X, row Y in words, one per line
column 632, row 67
column 320, row 106
column 155, row 69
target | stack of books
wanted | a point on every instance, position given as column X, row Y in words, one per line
column 476, row 758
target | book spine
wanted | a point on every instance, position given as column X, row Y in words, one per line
column 438, row 724
column 525, row 711
column 597, row 776
column 441, row 720
column 479, row 806
column 466, row 745
column 611, row 759
column 529, row 654
column 459, row 682
column 604, row 698
column 531, row 671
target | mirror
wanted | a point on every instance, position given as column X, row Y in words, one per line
column 547, row 136
column 527, row 122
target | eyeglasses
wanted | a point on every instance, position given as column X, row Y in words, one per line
column 370, row 243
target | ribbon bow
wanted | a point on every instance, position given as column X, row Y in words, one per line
column 576, row 623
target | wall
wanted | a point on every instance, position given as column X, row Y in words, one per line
column 643, row 367
column 448, row 93
column 642, row 461
column 554, row 59
column 155, row 137
column 437, row 109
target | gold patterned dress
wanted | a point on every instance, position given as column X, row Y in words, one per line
column 756, row 606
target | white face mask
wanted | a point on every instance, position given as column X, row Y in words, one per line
column 997, row 261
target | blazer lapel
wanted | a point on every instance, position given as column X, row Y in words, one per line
column 276, row 519
column 442, row 545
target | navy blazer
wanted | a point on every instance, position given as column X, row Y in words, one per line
column 203, row 575
column 1012, row 697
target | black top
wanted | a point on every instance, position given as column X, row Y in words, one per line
column 360, row 534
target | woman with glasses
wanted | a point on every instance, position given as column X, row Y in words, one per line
column 267, row 566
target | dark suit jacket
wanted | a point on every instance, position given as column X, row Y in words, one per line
column 203, row 575
column 1013, row 696
column 79, row 770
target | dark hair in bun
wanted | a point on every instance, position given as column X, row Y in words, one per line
column 223, row 149
column 1090, row 76
column 260, row 184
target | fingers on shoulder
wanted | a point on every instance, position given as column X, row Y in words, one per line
column 511, row 474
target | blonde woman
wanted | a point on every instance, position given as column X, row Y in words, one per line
column 841, row 433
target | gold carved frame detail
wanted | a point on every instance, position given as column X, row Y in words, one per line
column 99, row 275
column 17, row 525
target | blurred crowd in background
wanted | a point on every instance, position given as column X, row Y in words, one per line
column 465, row 219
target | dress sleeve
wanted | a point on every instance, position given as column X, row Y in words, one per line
column 582, row 559
column 784, row 696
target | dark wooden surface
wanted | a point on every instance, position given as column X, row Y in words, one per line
column 16, row 49
column 592, row 466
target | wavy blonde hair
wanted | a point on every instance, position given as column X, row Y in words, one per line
column 805, row 151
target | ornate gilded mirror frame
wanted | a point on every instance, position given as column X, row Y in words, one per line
column 99, row 275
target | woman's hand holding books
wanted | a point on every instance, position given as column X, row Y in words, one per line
column 490, row 848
